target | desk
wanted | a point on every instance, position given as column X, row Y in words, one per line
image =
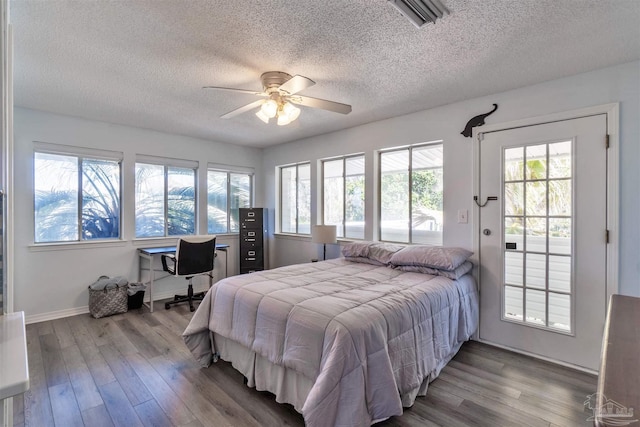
column 14, row 369
column 618, row 397
column 149, row 254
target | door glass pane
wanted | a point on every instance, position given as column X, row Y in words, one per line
column 560, row 311
column 560, row 235
column 216, row 202
column 560, row 197
column 394, row 192
column 536, row 234
column 181, row 201
column 538, row 204
column 536, row 162
column 514, row 198
column 536, row 199
column 560, row 273
column 513, row 303
column 513, row 230
column 513, row 266
column 149, row 200
column 536, row 271
column 560, row 160
column 514, row 164
column 536, row 307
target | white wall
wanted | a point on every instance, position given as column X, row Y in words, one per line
column 616, row 84
column 51, row 281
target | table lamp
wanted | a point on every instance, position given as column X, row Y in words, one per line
column 323, row 234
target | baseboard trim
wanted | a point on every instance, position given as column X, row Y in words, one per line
column 537, row 356
column 68, row 312
column 53, row 315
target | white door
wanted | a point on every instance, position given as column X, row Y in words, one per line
column 543, row 241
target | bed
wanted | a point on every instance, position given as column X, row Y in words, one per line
column 348, row 341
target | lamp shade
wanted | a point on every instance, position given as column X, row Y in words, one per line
column 323, row 234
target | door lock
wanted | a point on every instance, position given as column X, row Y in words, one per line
column 486, row 232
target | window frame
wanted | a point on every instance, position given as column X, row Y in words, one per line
column 229, row 172
column 167, row 163
column 297, row 198
column 344, row 160
column 80, row 154
column 409, row 149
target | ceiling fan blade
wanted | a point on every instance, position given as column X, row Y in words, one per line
column 252, row 92
column 243, row 109
column 306, row 101
column 295, row 84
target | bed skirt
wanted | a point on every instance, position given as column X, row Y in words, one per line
column 287, row 385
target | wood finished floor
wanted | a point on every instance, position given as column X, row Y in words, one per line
column 134, row 370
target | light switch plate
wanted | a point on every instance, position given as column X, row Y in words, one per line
column 463, row 216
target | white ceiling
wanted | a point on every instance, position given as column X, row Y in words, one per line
column 143, row 62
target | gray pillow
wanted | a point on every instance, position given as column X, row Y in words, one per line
column 356, row 249
column 454, row 274
column 363, row 260
column 383, row 252
column 442, row 258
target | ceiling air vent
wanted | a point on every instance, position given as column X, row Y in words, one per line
column 420, row 12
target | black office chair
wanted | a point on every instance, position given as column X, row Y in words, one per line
column 194, row 257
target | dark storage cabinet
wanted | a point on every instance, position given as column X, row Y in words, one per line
column 253, row 236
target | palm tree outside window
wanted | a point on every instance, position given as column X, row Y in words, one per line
column 165, row 197
column 76, row 198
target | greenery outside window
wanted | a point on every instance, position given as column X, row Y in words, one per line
column 295, row 198
column 77, row 194
column 165, row 198
column 343, row 195
column 226, row 193
column 411, row 194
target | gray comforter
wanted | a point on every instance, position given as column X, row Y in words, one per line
column 369, row 337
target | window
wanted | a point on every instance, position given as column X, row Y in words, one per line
column 538, row 223
column 165, row 198
column 226, row 193
column 343, row 195
column 76, row 196
column 411, row 194
column 295, row 199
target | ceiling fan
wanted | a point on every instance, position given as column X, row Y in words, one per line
column 279, row 93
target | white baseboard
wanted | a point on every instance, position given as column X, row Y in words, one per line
column 540, row 357
column 53, row 315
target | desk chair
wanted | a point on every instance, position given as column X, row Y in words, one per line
column 194, row 257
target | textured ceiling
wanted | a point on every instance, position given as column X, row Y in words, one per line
column 143, row 62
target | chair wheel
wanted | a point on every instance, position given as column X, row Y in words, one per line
column 167, row 306
column 192, row 308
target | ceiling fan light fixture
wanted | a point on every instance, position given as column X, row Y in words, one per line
column 283, row 120
column 262, row 116
column 269, row 108
column 291, row 111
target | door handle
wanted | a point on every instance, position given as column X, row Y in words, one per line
column 486, row 232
